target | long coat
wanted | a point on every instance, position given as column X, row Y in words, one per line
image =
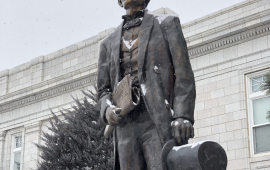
column 164, row 71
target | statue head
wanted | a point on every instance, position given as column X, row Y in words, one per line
column 127, row 3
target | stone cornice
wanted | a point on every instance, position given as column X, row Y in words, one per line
column 44, row 84
column 227, row 29
column 33, row 127
column 201, row 75
column 220, row 12
column 48, row 93
column 229, row 41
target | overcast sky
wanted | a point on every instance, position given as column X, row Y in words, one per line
column 31, row 28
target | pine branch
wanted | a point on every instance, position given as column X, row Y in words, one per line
column 266, row 84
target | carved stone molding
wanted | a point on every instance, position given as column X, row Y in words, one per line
column 227, row 28
column 230, row 41
column 50, row 81
column 48, row 93
column 263, row 167
column 3, row 135
column 33, row 127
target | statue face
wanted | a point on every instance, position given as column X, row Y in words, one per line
column 127, row 4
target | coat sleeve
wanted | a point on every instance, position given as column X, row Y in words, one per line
column 184, row 84
column 103, row 81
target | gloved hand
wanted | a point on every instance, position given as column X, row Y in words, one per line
column 182, row 130
column 112, row 115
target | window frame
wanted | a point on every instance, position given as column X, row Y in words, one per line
column 15, row 150
column 250, row 97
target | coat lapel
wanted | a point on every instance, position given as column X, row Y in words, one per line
column 116, row 50
column 144, row 36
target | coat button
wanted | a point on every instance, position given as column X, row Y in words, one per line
column 156, row 70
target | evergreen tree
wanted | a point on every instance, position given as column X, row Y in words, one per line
column 266, row 83
column 78, row 142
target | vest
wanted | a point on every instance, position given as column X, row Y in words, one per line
column 129, row 54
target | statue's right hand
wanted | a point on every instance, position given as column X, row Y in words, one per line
column 112, row 116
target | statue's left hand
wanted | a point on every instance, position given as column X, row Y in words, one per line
column 182, row 130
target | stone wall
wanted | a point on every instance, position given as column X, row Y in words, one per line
column 224, row 48
column 221, row 111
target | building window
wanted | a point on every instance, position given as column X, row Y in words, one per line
column 16, row 153
column 259, row 109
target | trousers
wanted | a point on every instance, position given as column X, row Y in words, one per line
column 138, row 144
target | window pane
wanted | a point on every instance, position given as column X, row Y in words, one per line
column 260, row 109
column 18, row 142
column 17, row 161
column 257, row 83
column 262, row 139
column 257, row 80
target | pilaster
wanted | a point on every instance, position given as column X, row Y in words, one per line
column 30, row 151
column 2, row 142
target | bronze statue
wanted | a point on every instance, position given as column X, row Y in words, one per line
column 152, row 50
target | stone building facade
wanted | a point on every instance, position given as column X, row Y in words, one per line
column 229, row 52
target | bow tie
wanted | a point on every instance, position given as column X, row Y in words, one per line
column 131, row 22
